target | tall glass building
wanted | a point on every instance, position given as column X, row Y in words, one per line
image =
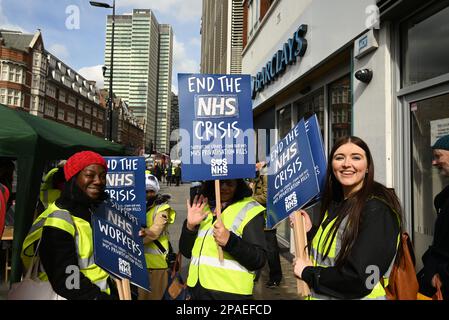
column 142, row 71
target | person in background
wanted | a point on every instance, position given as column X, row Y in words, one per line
column 359, row 229
column 195, row 188
column 239, row 233
column 62, row 234
column 178, row 174
column 51, row 187
column 436, row 258
column 6, row 178
column 156, row 239
column 169, row 175
column 260, row 186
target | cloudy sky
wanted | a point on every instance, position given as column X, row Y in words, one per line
column 79, row 39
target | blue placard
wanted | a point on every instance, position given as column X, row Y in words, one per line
column 216, row 127
column 292, row 180
column 318, row 154
column 117, row 245
column 116, row 223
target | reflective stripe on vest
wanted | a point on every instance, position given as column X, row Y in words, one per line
column 154, row 257
column 205, row 267
column 319, row 248
column 80, row 230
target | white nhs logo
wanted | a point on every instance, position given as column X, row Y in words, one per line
column 219, row 167
column 291, row 201
column 124, row 267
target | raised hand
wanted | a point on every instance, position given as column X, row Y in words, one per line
column 196, row 212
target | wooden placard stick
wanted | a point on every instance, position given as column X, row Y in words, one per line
column 218, row 213
column 118, row 282
column 300, row 235
column 126, row 289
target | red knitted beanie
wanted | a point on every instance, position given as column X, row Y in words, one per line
column 80, row 160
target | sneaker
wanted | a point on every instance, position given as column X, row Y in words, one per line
column 272, row 284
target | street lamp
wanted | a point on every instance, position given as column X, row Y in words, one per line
column 111, row 99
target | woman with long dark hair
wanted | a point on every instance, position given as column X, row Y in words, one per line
column 239, row 233
column 357, row 238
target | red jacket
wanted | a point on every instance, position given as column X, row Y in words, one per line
column 4, row 196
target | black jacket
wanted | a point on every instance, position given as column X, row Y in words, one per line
column 249, row 251
column 57, row 250
column 375, row 246
column 436, row 258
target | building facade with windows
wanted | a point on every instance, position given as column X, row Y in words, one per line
column 38, row 82
column 138, row 60
column 127, row 129
column 309, row 66
column 221, row 37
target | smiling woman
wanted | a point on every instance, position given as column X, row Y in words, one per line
column 345, row 261
column 62, row 235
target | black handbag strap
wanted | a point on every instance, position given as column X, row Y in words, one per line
column 161, row 247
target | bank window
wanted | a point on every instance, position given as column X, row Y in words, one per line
column 284, row 121
column 311, row 104
column 340, row 109
column 425, row 44
column 429, row 121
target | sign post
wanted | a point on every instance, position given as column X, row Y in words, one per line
column 300, row 235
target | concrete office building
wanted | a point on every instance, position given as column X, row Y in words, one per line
column 136, row 68
column 400, row 112
column 221, row 36
column 164, row 88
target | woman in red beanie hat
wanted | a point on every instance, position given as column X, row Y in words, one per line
column 62, row 234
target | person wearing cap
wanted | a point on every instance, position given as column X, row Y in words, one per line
column 62, row 235
column 436, row 258
column 156, row 239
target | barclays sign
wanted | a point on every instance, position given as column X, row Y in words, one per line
column 295, row 47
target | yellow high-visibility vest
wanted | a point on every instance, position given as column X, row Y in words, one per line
column 48, row 194
column 319, row 248
column 205, row 266
column 154, row 257
column 80, row 230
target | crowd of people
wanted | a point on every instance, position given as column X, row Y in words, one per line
column 228, row 242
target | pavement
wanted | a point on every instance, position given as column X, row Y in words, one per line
column 287, row 288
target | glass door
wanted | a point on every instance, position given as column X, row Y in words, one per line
column 429, row 120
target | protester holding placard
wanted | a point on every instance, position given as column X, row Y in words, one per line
column 62, row 234
column 156, row 239
column 345, row 262
column 239, row 232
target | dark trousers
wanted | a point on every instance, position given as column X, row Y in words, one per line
column 273, row 258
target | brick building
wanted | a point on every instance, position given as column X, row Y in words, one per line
column 37, row 81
